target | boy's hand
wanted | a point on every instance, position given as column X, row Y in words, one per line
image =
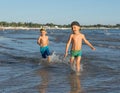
column 93, row 48
column 65, row 55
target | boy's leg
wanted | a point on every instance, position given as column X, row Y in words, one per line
column 78, row 59
column 71, row 61
column 48, row 55
column 49, row 59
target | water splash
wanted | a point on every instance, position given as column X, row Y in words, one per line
column 59, row 59
column 56, row 58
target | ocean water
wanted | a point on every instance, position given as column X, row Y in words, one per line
column 21, row 70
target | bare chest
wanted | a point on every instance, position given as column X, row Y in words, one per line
column 44, row 39
column 76, row 38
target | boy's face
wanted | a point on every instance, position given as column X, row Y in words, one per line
column 75, row 28
column 43, row 32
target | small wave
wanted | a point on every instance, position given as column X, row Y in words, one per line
column 17, row 88
column 15, row 74
column 3, row 38
column 108, row 46
column 107, row 33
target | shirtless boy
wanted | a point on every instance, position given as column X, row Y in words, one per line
column 76, row 39
column 43, row 41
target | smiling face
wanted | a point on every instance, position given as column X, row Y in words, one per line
column 75, row 29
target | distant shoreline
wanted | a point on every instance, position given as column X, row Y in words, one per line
column 33, row 28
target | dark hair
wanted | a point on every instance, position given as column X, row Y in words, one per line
column 75, row 23
column 42, row 29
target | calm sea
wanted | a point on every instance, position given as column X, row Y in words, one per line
column 21, row 70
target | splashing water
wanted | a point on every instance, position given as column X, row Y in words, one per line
column 56, row 58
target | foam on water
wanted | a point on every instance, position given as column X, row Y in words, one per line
column 56, row 58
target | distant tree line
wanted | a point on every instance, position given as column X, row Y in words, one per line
column 105, row 26
column 30, row 24
column 19, row 24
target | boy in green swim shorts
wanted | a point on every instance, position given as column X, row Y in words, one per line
column 43, row 41
column 76, row 39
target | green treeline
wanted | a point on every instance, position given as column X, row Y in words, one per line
column 105, row 26
column 29, row 24
column 19, row 24
column 36, row 25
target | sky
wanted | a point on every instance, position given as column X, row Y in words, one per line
column 86, row 12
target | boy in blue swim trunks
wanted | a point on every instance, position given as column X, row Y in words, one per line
column 43, row 41
column 76, row 39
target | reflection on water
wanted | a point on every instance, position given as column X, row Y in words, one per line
column 75, row 83
column 45, row 80
column 73, row 79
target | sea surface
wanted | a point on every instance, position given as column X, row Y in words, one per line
column 22, row 71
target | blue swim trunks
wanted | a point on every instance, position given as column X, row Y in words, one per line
column 45, row 51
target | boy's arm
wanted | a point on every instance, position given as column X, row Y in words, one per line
column 38, row 41
column 67, row 45
column 48, row 41
column 88, row 43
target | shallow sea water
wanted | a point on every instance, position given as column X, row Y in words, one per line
column 21, row 70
